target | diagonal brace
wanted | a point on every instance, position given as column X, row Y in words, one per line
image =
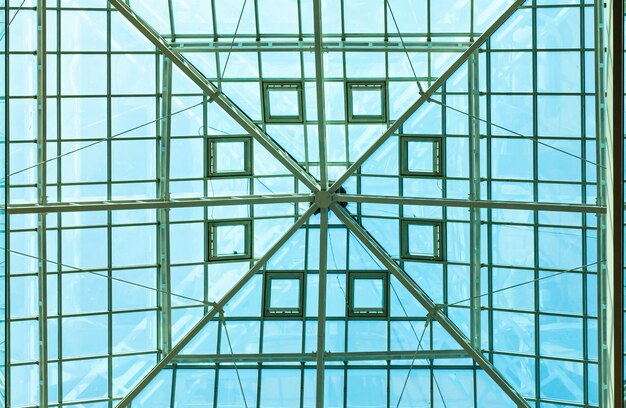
column 433, row 310
column 215, row 94
column 215, row 309
column 426, row 96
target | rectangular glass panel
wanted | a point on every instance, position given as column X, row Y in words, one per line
column 230, row 240
column 422, row 240
column 368, row 293
column 284, row 102
column 367, row 101
column 230, row 157
column 421, row 156
column 284, row 293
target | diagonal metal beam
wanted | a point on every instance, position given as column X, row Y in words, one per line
column 434, row 311
column 427, row 94
column 475, row 220
column 215, row 94
column 163, row 214
column 216, row 308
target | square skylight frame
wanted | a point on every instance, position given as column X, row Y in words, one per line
column 281, row 313
column 439, row 239
column 352, row 86
column 213, row 147
column 213, row 226
column 271, row 86
column 368, row 313
column 437, row 159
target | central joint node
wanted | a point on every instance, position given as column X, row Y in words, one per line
column 323, row 199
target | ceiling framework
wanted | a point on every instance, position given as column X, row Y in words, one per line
column 386, row 203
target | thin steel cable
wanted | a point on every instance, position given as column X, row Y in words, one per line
column 204, row 303
column 419, row 346
column 393, row 17
column 441, row 306
column 243, row 395
column 521, row 284
column 332, row 253
column 419, row 339
column 19, row 8
column 515, row 133
column 476, row 117
column 406, row 314
column 232, row 44
column 104, row 139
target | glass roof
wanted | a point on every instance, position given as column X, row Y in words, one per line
column 298, row 203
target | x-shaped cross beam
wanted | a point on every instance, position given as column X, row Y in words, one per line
column 324, row 196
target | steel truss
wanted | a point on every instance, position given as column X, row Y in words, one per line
column 322, row 197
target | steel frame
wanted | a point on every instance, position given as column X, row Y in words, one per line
column 164, row 203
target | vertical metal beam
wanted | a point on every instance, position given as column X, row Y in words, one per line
column 604, row 369
column 475, row 222
column 215, row 308
column 319, row 83
column 4, row 45
column 433, row 310
column 321, row 309
column 42, row 200
column 617, row 202
column 163, row 167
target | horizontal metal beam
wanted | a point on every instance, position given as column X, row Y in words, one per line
column 157, row 203
column 216, row 95
column 116, row 205
column 448, row 202
column 328, row 46
column 328, row 356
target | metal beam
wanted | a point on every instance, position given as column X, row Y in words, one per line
column 215, row 94
column 320, row 357
column 615, row 187
column 434, row 311
column 219, row 306
column 604, row 363
column 327, row 356
column 427, row 94
column 327, row 46
column 42, row 270
column 449, row 202
column 157, row 203
column 163, row 214
column 319, row 87
column 473, row 75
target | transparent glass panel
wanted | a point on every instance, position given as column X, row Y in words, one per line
column 368, row 293
column 230, row 240
column 284, row 293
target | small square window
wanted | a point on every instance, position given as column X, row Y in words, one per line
column 421, row 156
column 283, row 294
column 422, row 240
column 368, row 294
column 230, row 157
column 283, row 102
column 367, row 102
column 230, row 240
